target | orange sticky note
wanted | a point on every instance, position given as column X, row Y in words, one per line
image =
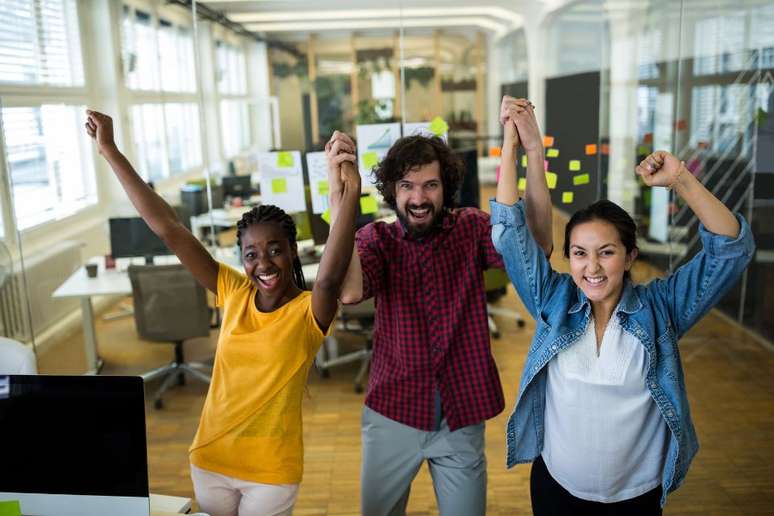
column 494, row 152
column 591, row 149
column 548, row 141
column 605, row 148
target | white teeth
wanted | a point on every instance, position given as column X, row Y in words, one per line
column 268, row 277
column 594, row 280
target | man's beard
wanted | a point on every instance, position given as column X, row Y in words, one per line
column 418, row 231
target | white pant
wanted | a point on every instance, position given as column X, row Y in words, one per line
column 219, row 495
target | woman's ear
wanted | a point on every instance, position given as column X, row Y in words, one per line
column 631, row 257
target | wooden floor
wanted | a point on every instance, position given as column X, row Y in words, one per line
column 729, row 374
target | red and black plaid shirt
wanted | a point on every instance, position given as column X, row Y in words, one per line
column 431, row 333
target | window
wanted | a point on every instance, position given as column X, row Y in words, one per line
column 47, row 150
column 232, row 88
column 158, row 57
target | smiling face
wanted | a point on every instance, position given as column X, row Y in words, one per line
column 419, row 197
column 598, row 261
column 268, row 257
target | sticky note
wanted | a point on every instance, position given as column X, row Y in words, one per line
column 495, row 152
column 438, row 126
column 279, row 185
column 567, row 197
column 10, row 508
column 284, row 160
column 604, row 149
column 326, row 216
column 322, row 187
column 370, row 160
column 497, row 174
column 591, row 149
column 548, row 141
column 545, row 164
column 643, row 149
column 551, row 179
column 552, row 153
column 522, row 183
column 580, row 179
column 368, row 205
column 524, row 160
column 574, row 165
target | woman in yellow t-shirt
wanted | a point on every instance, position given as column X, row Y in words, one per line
column 247, row 456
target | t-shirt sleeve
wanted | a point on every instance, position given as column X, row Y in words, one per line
column 367, row 241
column 315, row 333
column 229, row 280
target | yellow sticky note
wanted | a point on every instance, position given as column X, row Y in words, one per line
column 438, row 126
column 580, row 179
column 551, row 179
column 284, row 160
column 552, row 153
column 522, row 183
column 370, row 160
column 548, row 141
column 10, row 508
column 643, row 149
column 567, row 197
column 574, row 165
column 368, row 205
column 326, row 216
column 322, row 187
column 279, row 185
column 591, row 149
column 524, row 160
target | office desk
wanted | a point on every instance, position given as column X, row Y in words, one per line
column 111, row 282
column 163, row 505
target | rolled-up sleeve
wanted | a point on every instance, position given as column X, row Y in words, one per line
column 367, row 242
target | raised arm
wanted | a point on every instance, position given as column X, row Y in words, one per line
column 520, row 127
column 664, row 169
column 340, row 152
column 159, row 215
column 344, row 190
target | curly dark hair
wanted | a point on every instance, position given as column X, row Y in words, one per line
column 271, row 213
column 414, row 151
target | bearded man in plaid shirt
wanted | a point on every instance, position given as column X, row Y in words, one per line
column 433, row 381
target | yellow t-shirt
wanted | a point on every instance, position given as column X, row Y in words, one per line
column 250, row 427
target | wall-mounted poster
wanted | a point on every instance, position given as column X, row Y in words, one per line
column 317, row 166
column 282, row 180
column 373, row 142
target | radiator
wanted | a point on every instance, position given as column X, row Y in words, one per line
column 45, row 271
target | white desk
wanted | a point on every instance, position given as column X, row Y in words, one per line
column 163, row 505
column 111, row 282
column 220, row 217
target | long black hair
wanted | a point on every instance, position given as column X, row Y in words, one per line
column 606, row 211
column 268, row 213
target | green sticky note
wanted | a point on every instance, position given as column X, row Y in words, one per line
column 10, row 508
column 567, row 197
column 643, row 149
column 326, row 216
column 279, row 185
column 581, row 179
column 438, row 126
column 574, row 165
column 284, row 160
column 524, row 160
column 368, row 205
column 522, row 183
column 370, row 160
column 552, row 153
column 551, row 179
column 323, row 188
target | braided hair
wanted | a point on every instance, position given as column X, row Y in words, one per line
column 271, row 213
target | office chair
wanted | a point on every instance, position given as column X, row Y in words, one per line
column 496, row 284
column 170, row 306
column 358, row 320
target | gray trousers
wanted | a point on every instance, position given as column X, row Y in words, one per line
column 394, row 452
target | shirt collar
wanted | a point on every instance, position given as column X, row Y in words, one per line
column 629, row 303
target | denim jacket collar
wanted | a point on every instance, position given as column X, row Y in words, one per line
column 629, row 303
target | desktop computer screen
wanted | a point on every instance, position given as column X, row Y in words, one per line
column 131, row 236
column 237, row 186
column 74, row 445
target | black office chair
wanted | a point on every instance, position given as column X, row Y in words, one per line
column 170, row 306
column 358, row 320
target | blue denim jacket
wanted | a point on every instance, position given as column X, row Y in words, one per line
column 656, row 314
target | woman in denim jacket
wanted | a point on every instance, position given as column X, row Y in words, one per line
column 602, row 407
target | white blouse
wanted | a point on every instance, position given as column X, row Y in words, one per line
column 605, row 440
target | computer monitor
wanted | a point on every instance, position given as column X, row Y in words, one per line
column 131, row 236
column 74, row 445
column 237, row 186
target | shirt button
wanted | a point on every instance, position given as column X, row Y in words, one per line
column 554, row 347
column 670, row 413
column 653, row 385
